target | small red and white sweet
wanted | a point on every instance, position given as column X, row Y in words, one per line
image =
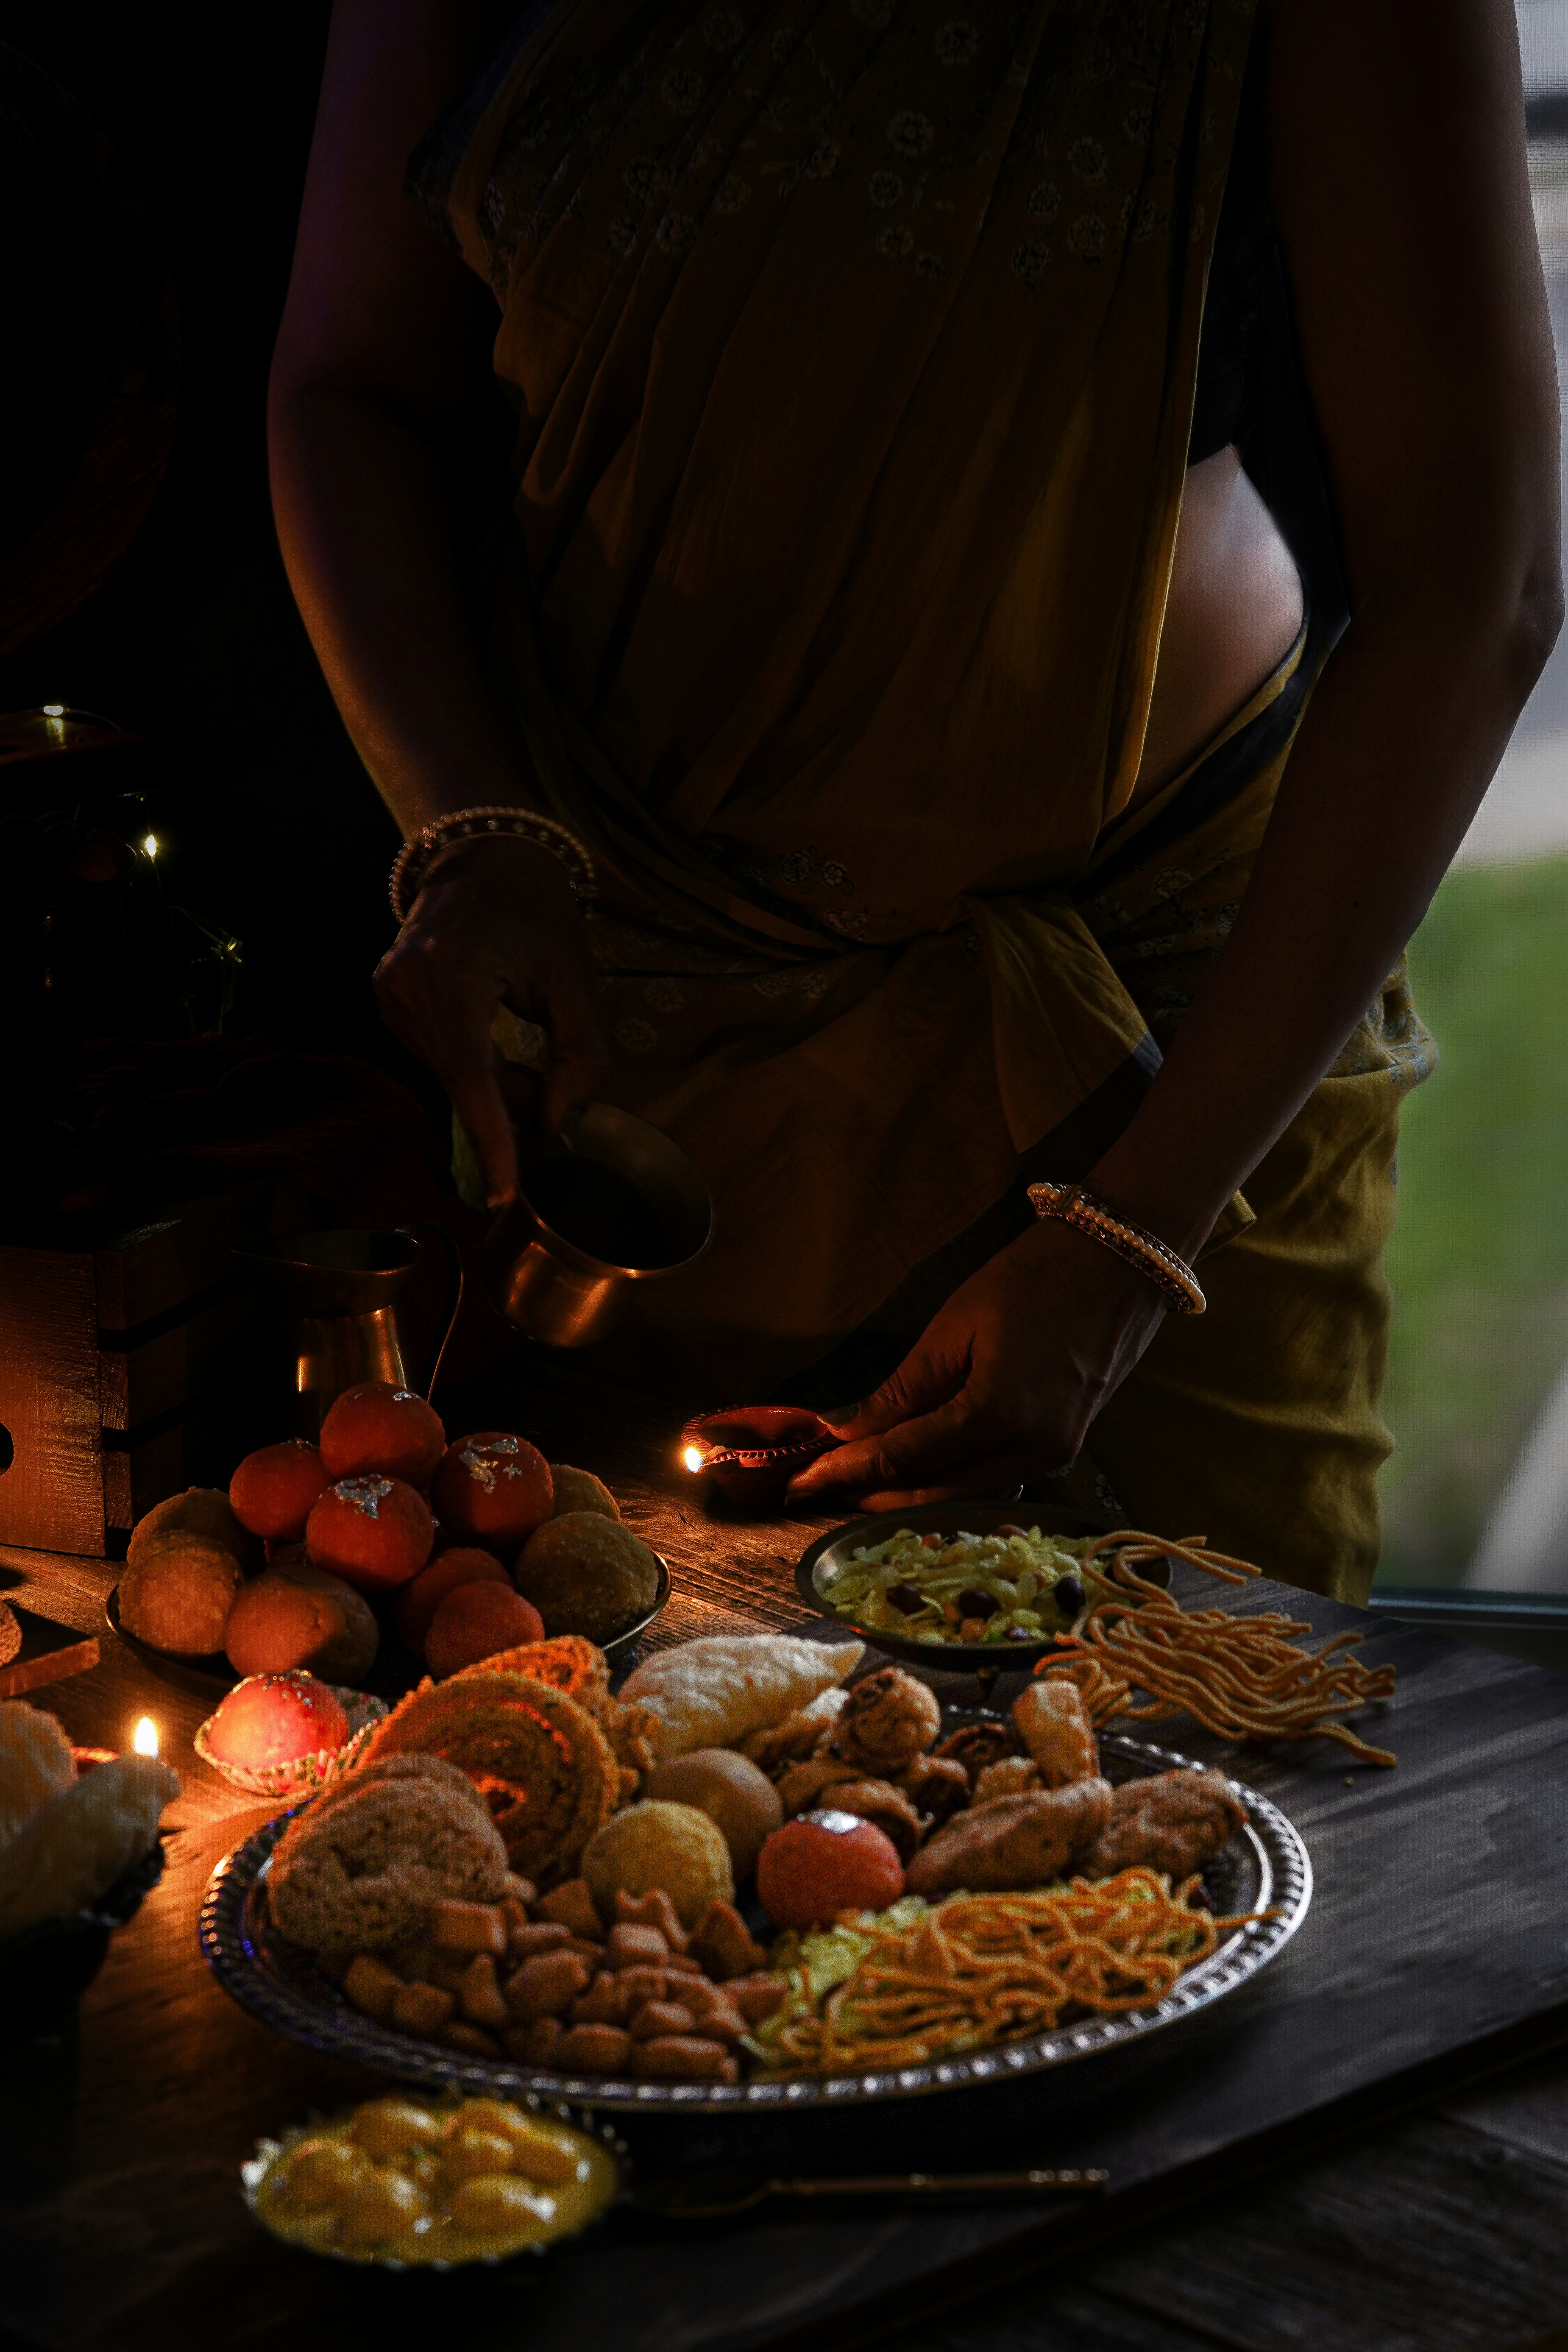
column 824, row 1863
column 275, row 1720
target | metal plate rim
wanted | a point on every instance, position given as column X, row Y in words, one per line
column 1285, row 1875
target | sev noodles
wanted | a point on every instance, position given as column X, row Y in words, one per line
column 982, row 1970
column 1242, row 1678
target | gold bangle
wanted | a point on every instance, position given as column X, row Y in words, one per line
column 408, row 867
column 1133, row 1243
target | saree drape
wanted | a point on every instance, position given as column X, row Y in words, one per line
column 852, row 344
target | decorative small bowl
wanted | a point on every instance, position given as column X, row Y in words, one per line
column 753, row 1451
column 305, row 1776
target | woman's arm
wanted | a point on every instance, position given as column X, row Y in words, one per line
column 1400, row 188
column 383, row 334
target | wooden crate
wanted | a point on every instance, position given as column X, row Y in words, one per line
column 132, row 1370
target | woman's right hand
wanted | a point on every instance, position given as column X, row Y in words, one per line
column 496, row 924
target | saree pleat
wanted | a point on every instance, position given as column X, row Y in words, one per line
column 852, row 344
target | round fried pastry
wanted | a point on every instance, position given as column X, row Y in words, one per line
column 375, row 1533
column 538, row 1758
column 418, row 1600
column 273, row 1489
column 657, row 1844
column 295, row 1617
column 494, row 1487
column 378, row 1429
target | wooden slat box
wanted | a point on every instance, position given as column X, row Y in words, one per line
column 122, row 1369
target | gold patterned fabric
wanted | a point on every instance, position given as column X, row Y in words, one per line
column 853, row 344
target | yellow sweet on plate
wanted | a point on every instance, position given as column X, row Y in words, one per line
column 399, row 2181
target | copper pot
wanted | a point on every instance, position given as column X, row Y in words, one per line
column 613, row 1203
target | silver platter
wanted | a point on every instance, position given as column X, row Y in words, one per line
column 1266, row 1867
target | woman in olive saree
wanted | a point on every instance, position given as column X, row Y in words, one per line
column 852, row 345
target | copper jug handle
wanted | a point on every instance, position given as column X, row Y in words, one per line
column 454, row 1298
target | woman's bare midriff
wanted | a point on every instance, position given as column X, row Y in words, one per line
column 1233, row 613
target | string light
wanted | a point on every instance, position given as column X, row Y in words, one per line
column 144, row 1740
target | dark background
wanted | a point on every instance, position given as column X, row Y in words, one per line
column 268, row 826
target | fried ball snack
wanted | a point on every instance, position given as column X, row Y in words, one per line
column 1054, row 1725
column 673, row 1848
column 36, row 1761
column 177, row 1597
column 888, row 1720
column 803, row 1785
column 362, row 1867
column 199, row 1511
column 798, row 1735
column 587, row 1574
column 539, row 1760
column 473, row 1623
column 299, row 1617
column 713, row 1693
column 730, row 1790
column 79, row 1841
column 1010, row 1776
column 937, row 1787
column 579, row 1490
column 976, row 1744
column 1013, row 1842
column 1173, row 1821
column 10, row 1633
column 879, row 1802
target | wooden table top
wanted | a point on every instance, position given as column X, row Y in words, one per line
column 1435, row 1952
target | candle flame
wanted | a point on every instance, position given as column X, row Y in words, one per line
column 150, row 844
column 54, row 709
column 694, row 1457
column 145, row 1737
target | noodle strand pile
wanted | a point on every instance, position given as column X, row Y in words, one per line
column 986, row 1969
column 1241, row 1677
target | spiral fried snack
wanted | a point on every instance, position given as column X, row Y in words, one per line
column 536, row 1756
column 1241, row 1677
column 576, row 1666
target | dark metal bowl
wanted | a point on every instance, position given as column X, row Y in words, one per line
column 986, row 1659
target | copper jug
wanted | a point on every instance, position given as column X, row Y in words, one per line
column 340, row 1293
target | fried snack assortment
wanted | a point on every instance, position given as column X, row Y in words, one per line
column 555, row 1983
column 540, row 1761
column 981, row 1969
column 403, row 2181
column 68, row 1839
column 1241, row 1677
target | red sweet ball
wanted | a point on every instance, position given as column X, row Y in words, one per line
column 418, row 1603
column 375, row 1533
column 376, row 1427
column 494, row 1488
column 275, row 1720
column 474, row 1621
column 825, row 1863
column 273, row 1490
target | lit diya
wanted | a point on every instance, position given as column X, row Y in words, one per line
column 753, row 1451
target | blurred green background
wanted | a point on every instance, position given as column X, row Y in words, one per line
column 1479, row 1259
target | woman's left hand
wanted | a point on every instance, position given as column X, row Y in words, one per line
column 1003, row 1384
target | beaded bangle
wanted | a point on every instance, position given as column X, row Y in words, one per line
column 1135, row 1244
column 409, row 866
